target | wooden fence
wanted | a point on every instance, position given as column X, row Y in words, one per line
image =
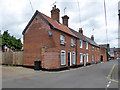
column 9, row 58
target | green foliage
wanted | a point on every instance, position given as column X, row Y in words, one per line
column 11, row 42
column 108, row 55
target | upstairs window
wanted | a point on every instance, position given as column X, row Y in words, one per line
column 62, row 40
column 81, row 57
column 81, row 43
column 87, row 57
column 92, row 48
column 63, row 57
column 72, row 43
column 98, row 49
column 73, row 57
column 86, row 45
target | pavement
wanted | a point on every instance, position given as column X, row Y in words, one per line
column 92, row 76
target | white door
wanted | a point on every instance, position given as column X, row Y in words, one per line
column 70, row 59
column 84, row 58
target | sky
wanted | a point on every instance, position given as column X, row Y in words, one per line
column 86, row 14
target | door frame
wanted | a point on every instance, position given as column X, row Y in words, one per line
column 70, row 57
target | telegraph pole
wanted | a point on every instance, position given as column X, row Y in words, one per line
column 119, row 24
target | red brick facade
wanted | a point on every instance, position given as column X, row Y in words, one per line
column 42, row 43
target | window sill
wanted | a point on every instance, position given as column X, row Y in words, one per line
column 62, row 44
column 63, row 65
column 73, row 46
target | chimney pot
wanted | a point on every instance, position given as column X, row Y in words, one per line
column 65, row 20
column 81, row 31
column 92, row 37
column 55, row 13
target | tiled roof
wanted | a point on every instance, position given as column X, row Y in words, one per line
column 114, row 49
column 57, row 25
column 84, row 38
column 53, row 24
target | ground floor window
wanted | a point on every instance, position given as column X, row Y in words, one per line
column 98, row 58
column 81, row 57
column 63, row 57
column 73, row 57
column 93, row 58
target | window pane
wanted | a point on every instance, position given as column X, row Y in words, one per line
column 80, row 57
column 80, row 43
column 62, row 57
column 73, row 57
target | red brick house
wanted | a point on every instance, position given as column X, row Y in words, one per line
column 55, row 44
column 115, row 53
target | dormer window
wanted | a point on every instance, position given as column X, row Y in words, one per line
column 86, row 45
column 62, row 40
column 80, row 43
column 72, row 43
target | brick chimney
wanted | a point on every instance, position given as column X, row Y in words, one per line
column 65, row 20
column 92, row 37
column 55, row 13
column 81, row 31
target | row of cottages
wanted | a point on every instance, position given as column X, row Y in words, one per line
column 115, row 53
column 56, row 45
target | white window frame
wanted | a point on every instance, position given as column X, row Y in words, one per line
column 81, row 43
column 62, row 39
column 92, row 48
column 87, row 57
column 81, row 58
column 98, row 49
column 87, row 45
column 63, row 62
column 92, row 58
column 98, row 58
column 74, row 61
column 72, row 42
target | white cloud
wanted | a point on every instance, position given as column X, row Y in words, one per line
column 17, row 13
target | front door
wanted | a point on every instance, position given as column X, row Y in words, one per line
column 101, row 58
column 84, row 60
column 69, row 58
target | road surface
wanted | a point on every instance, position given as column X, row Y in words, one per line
column 92, row 76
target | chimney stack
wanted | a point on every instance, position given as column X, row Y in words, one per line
column 81, row 31
column 92, row 37
column 55, row 13
column 65, row 20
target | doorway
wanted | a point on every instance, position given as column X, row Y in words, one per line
column 69, row 58
column 84, row 60
column 101, row 58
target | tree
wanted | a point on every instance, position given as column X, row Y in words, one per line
column 11, row 42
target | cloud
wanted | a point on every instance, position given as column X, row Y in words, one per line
column 17, row 13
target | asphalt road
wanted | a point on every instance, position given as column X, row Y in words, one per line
column 92, row 76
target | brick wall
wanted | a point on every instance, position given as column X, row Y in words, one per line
column 103, row 53
column 51, row 58
column 38, row 45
